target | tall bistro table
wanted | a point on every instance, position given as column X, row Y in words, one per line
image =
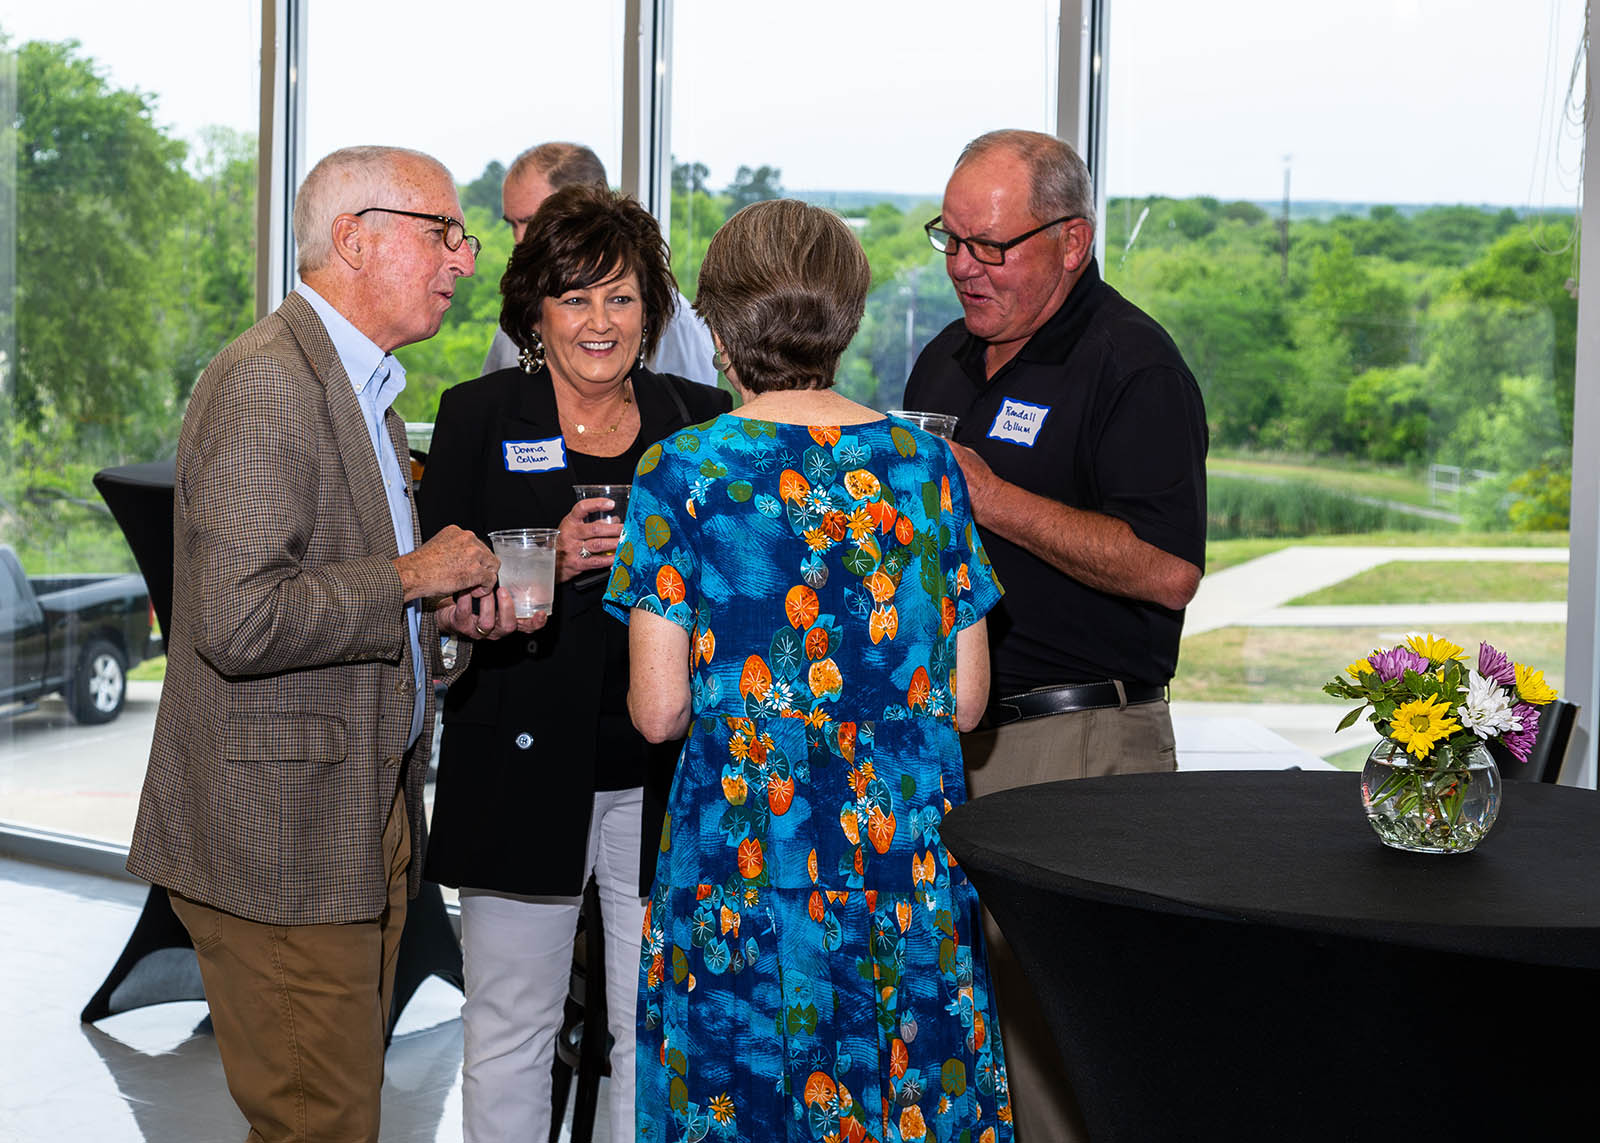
column 1235, row 956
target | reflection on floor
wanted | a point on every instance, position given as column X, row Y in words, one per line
column 153, row 1074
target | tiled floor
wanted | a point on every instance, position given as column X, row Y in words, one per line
column 153, row 1074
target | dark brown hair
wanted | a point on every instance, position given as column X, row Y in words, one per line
column 784, row 285
column 581, row 236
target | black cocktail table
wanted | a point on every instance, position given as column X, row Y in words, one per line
column 1236, row 956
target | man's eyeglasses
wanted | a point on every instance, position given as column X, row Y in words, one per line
column 455, row 232
column 989, row 253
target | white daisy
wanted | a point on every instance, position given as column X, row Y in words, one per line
column 1487, row 709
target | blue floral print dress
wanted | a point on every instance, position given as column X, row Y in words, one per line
column 813, row 965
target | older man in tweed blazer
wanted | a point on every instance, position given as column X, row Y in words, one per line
column 283, row 801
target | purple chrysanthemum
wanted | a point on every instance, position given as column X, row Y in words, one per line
column 1520, row 742
column 1495, row 665
column 1392, row 664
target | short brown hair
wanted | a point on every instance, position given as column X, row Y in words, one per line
column 561, row 165
column 582, row 236
column 784, row 285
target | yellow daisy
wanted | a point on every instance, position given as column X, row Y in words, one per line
column 1422, row 724
column 1434, row 649
column 1358, row 668
column 1531, row 686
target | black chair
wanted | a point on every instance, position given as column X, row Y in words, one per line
column 1549, row 750
column 583, row 1044
column 158, row 964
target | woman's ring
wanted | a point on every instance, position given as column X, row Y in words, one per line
column 583, row 551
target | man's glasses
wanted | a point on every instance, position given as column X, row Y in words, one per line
column 455, row 232
column 989, row 253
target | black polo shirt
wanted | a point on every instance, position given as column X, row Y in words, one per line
column 1097, row 411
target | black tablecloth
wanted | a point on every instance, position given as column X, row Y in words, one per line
column 1236, row 955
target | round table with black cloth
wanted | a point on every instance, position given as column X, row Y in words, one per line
column 1236, row 956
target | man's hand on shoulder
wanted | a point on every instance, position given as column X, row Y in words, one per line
column 452, row 562
column 1093, row 548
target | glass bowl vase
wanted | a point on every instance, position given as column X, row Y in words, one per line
column 1445, row 803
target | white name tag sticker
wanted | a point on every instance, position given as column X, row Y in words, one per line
column 535, row 456
column 1018, row 422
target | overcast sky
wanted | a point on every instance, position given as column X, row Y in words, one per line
column 1371, row 100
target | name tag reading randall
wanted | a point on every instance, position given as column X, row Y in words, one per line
column 1018, row 422
column 535, row 456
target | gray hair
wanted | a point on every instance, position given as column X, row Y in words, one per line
column 562, row 165
column 1058, row 179
column 347, row 180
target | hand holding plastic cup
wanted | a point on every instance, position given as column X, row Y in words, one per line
column 618, row 493
column 527, row 567
column 939, row 424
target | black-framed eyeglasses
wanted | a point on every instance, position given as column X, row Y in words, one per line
column 455, row 231
column 989, row 253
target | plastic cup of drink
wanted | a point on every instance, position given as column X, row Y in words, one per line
column 614, row 492
column 939, row 424
column 527, row 567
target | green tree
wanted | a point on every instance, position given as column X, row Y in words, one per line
column 752, row 184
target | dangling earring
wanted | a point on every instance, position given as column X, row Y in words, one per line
column 532, row 356
column 644, row 335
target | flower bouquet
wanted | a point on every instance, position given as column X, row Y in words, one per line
column 1431, row 785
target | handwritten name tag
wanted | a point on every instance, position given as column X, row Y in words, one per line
column 535, row 456
column 1018, row 422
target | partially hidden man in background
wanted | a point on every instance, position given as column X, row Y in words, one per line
column 283, row 801
column 684, row 345
column 1084, row 451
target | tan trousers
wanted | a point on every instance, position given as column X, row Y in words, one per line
column 300, row 1011
column 1085, row 744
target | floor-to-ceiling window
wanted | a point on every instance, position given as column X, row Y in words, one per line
column 127, row 253
column 1359, row 225
column 858, row 107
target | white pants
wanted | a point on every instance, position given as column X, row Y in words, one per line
column 517, row 954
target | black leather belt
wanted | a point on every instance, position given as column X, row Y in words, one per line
column 1065, row 700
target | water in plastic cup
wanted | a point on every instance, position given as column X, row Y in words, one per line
column 939, row 424
column 527, row 567
column 614, row 492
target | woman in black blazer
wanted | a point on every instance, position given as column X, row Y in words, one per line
column 542, row 777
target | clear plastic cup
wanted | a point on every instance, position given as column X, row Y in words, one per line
column 939, row 424
column 527, row 567
column 614, row 492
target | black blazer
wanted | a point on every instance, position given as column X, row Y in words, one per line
column 516, row 764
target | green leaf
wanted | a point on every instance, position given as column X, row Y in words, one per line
column 1350, row 719
column 740, row 491
column 657, row 532
column 930, row 500
column 903, row 441
column 651, row 458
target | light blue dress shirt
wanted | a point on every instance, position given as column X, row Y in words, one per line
column 378, row 379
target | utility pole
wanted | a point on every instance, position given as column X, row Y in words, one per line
column 1283, row 225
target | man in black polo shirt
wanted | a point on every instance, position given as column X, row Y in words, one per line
column 1083, row 440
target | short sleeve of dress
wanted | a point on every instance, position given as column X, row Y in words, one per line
column 977, row 588
column 655, row 568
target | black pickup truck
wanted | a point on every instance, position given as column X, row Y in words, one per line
column 74, row 634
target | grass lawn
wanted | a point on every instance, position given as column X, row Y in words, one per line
column 1225, row 553
column 1290, row 664
column 1467, row 581
column 150, row 671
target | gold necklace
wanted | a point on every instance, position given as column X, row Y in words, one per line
column 627, row 399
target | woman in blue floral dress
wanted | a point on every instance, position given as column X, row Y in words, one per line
column 806, row 592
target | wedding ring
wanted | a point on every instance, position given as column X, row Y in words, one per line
column 478, row 627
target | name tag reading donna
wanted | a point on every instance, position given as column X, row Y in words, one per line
column 535, row 456
column 1018, row 422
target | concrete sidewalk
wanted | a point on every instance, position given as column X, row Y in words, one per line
column 1240, row 594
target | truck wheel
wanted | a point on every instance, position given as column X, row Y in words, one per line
column 101, row 684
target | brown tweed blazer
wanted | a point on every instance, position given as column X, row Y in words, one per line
column 281, row 736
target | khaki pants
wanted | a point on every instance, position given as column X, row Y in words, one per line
column 300, row 1011
column 1084, row 744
